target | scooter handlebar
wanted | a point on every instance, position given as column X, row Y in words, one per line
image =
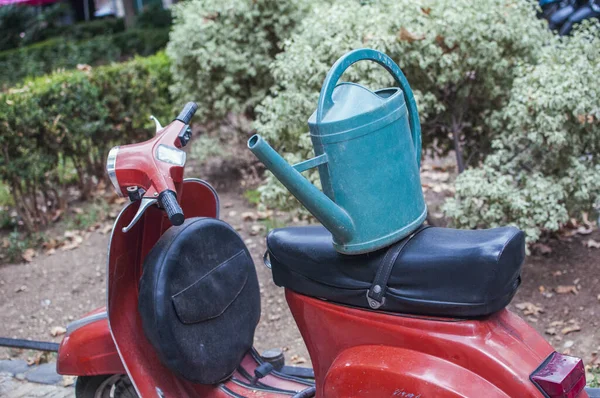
column 168, row 200
column 187, row 113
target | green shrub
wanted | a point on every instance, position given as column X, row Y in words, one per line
column 75, row 117
column 220, row 51
column 60, row 53
column 23, row 25
column 91, row 29
column 141, row 42
column 544, row 167
column 459, row 57
column 154, row 16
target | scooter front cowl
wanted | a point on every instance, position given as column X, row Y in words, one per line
column 88, row 348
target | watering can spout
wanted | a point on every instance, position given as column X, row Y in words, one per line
column 332, row 216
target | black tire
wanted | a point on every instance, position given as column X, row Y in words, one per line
column 104, row 386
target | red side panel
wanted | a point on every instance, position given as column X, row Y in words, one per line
column 125, row 268
column 380, row 354
column 89, row 350
column 124, row 271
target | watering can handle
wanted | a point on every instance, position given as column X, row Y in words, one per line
column 340, row 66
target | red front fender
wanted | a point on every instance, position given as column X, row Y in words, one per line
column 88, row 348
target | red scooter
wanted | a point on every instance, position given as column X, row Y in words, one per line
column 183, row 304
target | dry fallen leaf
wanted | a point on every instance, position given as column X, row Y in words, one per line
column 39, row 358
column 592, row 244
column 107, row 228
column 256, row 229
column 297, row 360
column 71, row 234
column 57, row 215
column 77, row 240
column 94, row 227
column 263, row 215
column 405, row 35
column 57, row 331
column 249, row 216
column 529, row 308
column 50, row 244
column 561, row 289
column 551, row 331
column 584, row 231
column 542, row 248
column 68, row 381
column 571, row 329
column 28, row 255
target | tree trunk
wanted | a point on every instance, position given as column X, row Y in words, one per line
column 129, row 9
column 456, row 130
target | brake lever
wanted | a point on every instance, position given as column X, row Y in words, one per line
column 145, row 203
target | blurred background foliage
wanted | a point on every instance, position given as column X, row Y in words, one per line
column 514, row 103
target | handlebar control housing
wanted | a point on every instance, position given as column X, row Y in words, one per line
column 155, row 166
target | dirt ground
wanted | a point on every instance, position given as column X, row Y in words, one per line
column 560, row 294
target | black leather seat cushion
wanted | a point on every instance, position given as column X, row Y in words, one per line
column 199, row 299
column 440, row 272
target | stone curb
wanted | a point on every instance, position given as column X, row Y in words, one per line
column 42, row 374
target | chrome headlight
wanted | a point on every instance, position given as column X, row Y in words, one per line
column 111, row 164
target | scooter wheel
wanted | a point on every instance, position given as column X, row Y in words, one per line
column 104, row 386
column 124, row 389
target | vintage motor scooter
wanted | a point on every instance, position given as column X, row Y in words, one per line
column 421, row 314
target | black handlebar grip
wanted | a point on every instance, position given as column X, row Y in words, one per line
column 187, row 113
column 168, row 200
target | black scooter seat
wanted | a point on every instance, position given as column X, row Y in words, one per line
column 440, row 272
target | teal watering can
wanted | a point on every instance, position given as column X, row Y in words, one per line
column 367, row 146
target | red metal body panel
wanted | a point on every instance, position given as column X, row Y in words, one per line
column 125, row 261
column 382, row 354
column 124, row 271
column 89, row 350
column 378, row 354
column 137, row 165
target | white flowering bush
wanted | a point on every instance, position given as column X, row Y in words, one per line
column 459, row 56
column 545, row 162
column 221, row 51
column 518, row 105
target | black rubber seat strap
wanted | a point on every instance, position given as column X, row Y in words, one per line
column 376, row 293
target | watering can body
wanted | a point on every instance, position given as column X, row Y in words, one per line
column 367, row 146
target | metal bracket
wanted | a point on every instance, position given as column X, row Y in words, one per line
column 146, row 202
column 374, row 304
column 266, row 259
